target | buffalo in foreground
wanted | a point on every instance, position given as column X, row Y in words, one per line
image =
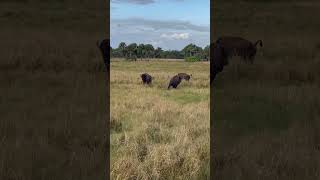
column 219, row 60
column 237, row 46
column 105, row 47
column 228, row 46
column 175, row 81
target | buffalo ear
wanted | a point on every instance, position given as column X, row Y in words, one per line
column 191, row 75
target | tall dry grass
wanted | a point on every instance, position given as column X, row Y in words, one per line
column 158, row 133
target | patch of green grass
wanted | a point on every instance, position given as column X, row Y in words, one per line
column 184, row 97
column 192, row 59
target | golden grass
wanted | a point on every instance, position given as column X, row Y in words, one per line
column 148, row 59
column 159, row 133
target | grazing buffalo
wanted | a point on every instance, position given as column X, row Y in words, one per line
column 185, row 76
column 237, row 46
column 146, row 78
column 219, row 60
column 105, row 47
column 175, row 81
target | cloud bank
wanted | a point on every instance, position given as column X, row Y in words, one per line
column 165, row 34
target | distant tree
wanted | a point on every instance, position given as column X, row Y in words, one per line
column 172, row 54
column 149, row 50
column 206, row 52
column 176, row 54
column 191, row 50
column 116, row 53
column 141, row 51
column 157, row 52
column 123, row 49
column 132, row 51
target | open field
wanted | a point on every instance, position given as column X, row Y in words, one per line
column 149, row 59
column 53, row 93
column 267, row 115
column 158, row 133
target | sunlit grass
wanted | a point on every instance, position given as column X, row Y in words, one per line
column 159, row 133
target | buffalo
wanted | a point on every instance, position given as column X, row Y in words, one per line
column 185, row 76
column 105, row 48
column 146, row 78
column 219, row 60
column 237, row 46
column 175, row 81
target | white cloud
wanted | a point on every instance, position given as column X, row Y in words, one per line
column 177, row 36
column 160, row 24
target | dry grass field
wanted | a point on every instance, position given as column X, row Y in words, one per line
column 267, row 115
column 52, row 91
column 158, row 133
column 148, row 59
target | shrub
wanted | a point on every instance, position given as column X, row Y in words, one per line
column 192, row 59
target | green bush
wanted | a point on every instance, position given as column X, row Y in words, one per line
column 192, row 59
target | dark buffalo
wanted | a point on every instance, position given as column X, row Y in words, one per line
column 238, row 46
column 175, row 81
column 105, row 48
column 219, row 60
column 146, row 78
column 185, row 76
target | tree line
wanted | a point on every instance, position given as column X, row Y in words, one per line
column 134, row 51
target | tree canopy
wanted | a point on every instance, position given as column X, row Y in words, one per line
column 134, row 51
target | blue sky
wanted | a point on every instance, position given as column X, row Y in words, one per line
column 169, row 24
